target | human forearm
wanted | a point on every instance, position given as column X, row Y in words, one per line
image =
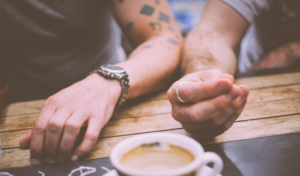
column 152, row 65
column 204, row 49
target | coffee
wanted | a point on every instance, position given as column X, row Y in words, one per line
column 158, row 156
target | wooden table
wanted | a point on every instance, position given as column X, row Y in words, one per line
column 273, row 108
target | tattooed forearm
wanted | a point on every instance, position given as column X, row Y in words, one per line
column 170, row 28
column 129, row 26
column 155, row 26
column 163, row 17
column 172, row 41
column 147, row 10
column 146, row 47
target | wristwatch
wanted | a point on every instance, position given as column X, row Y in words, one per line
column 115, row 72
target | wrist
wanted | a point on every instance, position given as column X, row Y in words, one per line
column 112, row 86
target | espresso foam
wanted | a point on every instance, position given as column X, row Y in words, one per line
column 157, row 157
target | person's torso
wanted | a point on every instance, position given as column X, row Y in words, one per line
column 47, row 45
column 273, row 28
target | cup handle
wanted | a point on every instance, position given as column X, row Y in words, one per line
column 210, row 157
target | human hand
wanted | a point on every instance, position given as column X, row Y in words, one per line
column 283, row 56
column 213, row 102
column 90, row 101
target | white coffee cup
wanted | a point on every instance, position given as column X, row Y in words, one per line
column 196, row 167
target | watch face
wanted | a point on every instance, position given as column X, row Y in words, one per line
column 112, row 68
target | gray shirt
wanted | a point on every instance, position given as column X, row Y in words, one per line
column 47, row 45
column 273, row 23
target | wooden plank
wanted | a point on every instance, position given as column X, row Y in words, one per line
column 270, row 81
column 274, row 93
column 270, row 109
column 34, row 107
column 239, row 131
column 158, row 106
column 20, row 108
column 261, row 104
column 161, row 122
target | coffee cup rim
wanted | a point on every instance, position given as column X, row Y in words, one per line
column 175, row 139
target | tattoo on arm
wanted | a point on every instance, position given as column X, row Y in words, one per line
column 154, row 25
column 129, row 26
column 146, row 47
column 170, row 28
column 157, row 2
column 172, row 41
column 163, row 17
column 121, row 1
column 147, row 10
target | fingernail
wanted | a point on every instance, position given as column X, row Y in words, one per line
column 61, row 159
column 49, row 160
column 224, row 87
column 233, row 94
column 244, row 93
column 74, row 158
column 35, row 162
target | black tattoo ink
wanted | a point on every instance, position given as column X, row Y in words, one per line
column 147, row 10
column 121, row 1
column 172, row 41
column 155, row 26
column 129, row 26
column 165, row 46
column 163, row 17
column 157, row 2
column 146, row 46
column 170, row 28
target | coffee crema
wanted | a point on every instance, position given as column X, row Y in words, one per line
column 158, row 156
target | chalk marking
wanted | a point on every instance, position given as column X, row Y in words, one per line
column 90, row 171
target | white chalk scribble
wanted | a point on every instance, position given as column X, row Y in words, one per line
column 104, row 168
column 83, row 171
column 5, row 174
column 42, row 173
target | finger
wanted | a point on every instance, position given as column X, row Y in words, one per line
column 216, row 120
column 53, row 134
column 39, row 131
column 71, row 131
column 203, row 111
column 227, row 76
column 229, row 122
column 195, row 92
column 90, row 138
column 25, row 141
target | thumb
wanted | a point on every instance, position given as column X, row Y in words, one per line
column 25, row 141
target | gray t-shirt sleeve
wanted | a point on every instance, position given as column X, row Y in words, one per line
column 250, row 9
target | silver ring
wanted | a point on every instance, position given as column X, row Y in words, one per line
column 177, row 92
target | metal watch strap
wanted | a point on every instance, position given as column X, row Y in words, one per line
column 124, row 81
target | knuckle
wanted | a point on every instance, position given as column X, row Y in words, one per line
column 54, row 125
column 221, row 103
column 226, row 126
column 193, row 114
column 39, row 127
column 72, row 126
column 51, row 100
column 216, row 121
column 170, row 93
column 84, row 150
column 92, row 137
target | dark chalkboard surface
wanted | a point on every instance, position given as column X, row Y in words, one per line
column 268, row 156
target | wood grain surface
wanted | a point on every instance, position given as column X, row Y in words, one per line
column 273, row 108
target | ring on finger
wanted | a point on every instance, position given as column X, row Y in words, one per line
column 177, row 92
